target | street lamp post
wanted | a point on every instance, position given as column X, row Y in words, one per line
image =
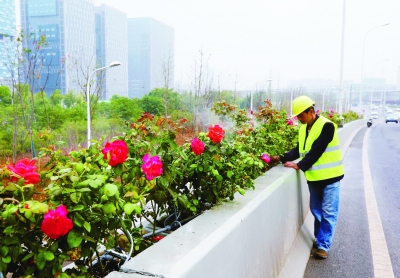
column 341, row 64
column 362, row 64
column 113, row 64
column 373, row 76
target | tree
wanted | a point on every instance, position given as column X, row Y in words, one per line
column 201, row 85
column 167, row 74
column 5, row 96
column 174, row 99
column 124, row 108
column 153, row 105
column 30, row 73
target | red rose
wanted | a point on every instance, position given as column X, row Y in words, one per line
column 197, row 146
column 289, row 122
column 56, row 224
column 158, row 238
column 216, row 133
column 152, row 166
column 264, row 157
column 25, row 169
column 116, row 151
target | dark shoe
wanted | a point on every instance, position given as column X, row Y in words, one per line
column 321, row 253
column 314, row 245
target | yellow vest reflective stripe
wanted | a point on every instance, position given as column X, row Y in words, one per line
column 330, row 164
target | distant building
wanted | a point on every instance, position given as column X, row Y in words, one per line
column 111, row 45
column 7, row 32
column 150, row 55
column 69, row 29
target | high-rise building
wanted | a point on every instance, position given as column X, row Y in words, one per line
column 7, row 32
column 69, row 29
column 111, row 45
column 150, row 55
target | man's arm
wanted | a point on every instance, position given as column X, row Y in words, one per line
column 318, row 147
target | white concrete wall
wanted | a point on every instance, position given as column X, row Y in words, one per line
column 266, row 233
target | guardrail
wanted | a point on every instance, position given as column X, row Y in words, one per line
column 268, row 232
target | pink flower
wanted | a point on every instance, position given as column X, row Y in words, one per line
column 152, row 166
column 56, row 224
column 317, row 112
column 330, row 115
column 216, row 133
column 289, row 122
column 116, row 151
column 332, row 111
column 264, row 157
column 197, row 146
column 25, row 169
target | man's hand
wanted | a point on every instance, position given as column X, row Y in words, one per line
column 291, row 164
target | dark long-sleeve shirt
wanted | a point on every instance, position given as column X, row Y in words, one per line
column 317, row 149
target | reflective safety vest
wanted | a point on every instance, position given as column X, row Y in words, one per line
column 329, row 165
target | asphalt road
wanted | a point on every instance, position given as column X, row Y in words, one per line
column 350, row 254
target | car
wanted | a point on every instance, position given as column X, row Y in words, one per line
column 374, row 115
column 392, row 118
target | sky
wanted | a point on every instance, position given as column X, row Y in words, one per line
column 249, row 42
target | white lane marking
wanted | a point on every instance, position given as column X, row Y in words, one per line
column 380, row 254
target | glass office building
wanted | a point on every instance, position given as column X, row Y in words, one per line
column 111, row 45
column 68, row 26
column 150, row 51
column 7, row 33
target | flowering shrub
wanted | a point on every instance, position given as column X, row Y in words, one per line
column 92, row 195
column 265, row 158
column 335, row 117
column 116, row 152
column 55, row 223
column 26, row 170
column 152, row 167
column 216, row 133
column 197, row 146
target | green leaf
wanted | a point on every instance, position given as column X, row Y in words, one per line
column 241, row 191
column 40, row 261
column 27, row 257
column 219, row 177
column 129, row 208
column 53, row 248
column 84, row 189
column 88, row 238
column 87, row 226
column 183, row 155
column 193, row 166
column 48, row 255
column 78, row 207
column 78, row 219
column 4, row 250
column 118, row 169
column 75, row 197
column 6, row 259
column 229, row 174
column 110, row 189
column 74, row 238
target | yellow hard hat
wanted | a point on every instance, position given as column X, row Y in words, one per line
column 300, row 104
